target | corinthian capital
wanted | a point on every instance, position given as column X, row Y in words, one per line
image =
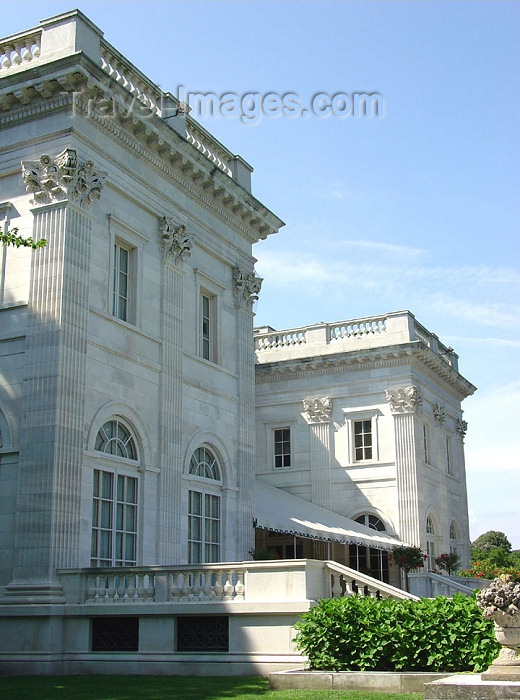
column 54, row 179
column 405, row 400
column 318, row 410
column 462, row 427
column 246, row 286
column 176, row 243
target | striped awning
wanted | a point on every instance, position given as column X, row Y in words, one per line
column 280, row 511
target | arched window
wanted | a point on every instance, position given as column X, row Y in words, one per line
column 204, row 508
column 115, row 494
column 430, row 542
column 371, row 521
column 368, row 559
column 454, row 536
column 114, row 438
column 203, row 463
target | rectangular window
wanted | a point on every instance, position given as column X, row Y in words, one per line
column 114, row 520
column 207, row 327
column 122, row 283
column 282, row 448
column 430, row 551
column 449, row 466
column 203, row 527
column 426, row 443
column 362, row 440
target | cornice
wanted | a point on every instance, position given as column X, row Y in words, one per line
column 68, row 83
column 373, row 358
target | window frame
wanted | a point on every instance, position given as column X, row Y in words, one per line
column 352, row 417
column 210, row 518
column 283, row 454
column 117, row 509
column 208, row 335
column 121, row 467
column 122, row 237
column 426, row 443
column 431, row 542
column 448, row 455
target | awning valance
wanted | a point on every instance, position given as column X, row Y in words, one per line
column 280, row 511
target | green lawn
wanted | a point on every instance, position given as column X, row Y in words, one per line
column 168, row 688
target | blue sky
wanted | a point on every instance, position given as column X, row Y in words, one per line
column 416, row 210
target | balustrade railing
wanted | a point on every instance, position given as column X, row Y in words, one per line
column 126, row 75
column 387, row 329
column 209, row 146
column 19, row 49
column 183, row 584
column 346, row 582
column 285, row 339
column 357, row 329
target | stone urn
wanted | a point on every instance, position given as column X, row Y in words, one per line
column 499, row 603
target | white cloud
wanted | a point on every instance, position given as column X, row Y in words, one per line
column 381, row 246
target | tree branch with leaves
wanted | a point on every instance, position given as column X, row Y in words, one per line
column 11, row 238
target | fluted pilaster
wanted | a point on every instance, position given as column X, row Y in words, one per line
column 172, row 295
column 51, row 453
column 317, row 413
column 404, row 404
column 246, row 290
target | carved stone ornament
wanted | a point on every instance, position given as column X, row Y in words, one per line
column 54, row 179
column 176, row 243
column 462, row 427
column 439, row 413
column 318, row 410
column 406, row 400
column 247, row 286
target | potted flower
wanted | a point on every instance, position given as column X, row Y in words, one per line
column 500, row 602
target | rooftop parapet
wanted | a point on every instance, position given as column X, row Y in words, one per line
column 71, row 33
column 357, row 334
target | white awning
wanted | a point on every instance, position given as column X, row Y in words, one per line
column 281, row 511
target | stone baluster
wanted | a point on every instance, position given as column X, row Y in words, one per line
column 196, row 587
column 229, row 588
column 206, row 589
column 219, row 590
column 239, row 586
column 175, row 591
column 336, row 585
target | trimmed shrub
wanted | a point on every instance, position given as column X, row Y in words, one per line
column 365, row 634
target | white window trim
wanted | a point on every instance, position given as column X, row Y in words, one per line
column 122, row 235
column 124, row 472
column 426, row 444
column 207, row 286
column 270, row 427
column 351, row 416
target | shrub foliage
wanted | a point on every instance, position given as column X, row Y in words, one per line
column 365, row 634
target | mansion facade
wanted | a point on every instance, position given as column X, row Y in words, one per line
column 144, row 422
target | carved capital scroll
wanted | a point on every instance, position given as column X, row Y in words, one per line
column 176, row 243
column 462, row 427
column 63, row 177
column 405, row 400
column 318, row 410
column 246, row 286
column 439, row 413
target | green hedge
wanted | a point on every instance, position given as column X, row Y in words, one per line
column 365, row 634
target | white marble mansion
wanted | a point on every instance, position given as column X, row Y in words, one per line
column 160, row 460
